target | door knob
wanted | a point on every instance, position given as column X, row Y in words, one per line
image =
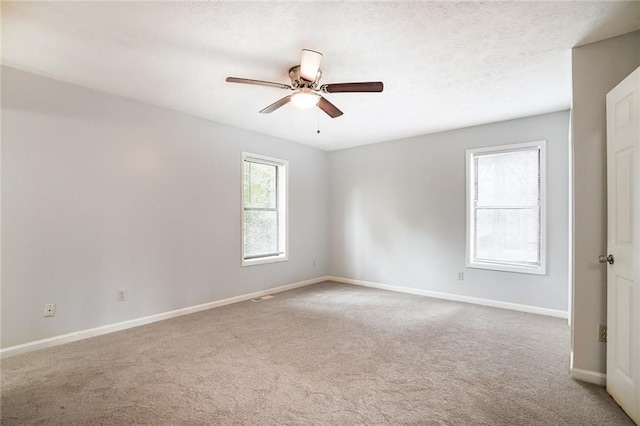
column 602, row 259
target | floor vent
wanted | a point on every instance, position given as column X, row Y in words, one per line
column 261, row 298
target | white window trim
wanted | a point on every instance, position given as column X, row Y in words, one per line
column 283, row 208
column 537, row 270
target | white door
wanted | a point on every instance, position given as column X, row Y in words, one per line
column 623, row 238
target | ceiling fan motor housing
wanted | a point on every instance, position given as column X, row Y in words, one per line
column 297, row 81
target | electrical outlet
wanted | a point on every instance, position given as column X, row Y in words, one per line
column 460, row 276
column 120, row 295
column 602, row 333
column 50, row 310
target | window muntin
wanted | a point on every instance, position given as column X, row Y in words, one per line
column 506, row 220
column 264, row 225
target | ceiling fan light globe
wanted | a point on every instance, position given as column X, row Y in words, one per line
column 304, row 100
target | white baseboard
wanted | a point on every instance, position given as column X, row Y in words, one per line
column 589, row 376
column 586, row 375
column 110, row 328
column 457, row 298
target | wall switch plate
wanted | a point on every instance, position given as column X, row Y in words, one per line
column 602, row 333
column 460, row 276
column 120, row 295
column 50, row 310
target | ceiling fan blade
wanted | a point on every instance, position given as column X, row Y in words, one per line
column 258, row 82
column 277, row 104
column 329, row 108
column 310, row 64
column 369, row 86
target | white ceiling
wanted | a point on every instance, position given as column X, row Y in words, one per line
column 445, row 65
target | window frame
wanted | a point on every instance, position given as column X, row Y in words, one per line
column 471, row 262
column 282, row 196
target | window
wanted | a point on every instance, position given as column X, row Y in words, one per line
column 264, row 209
column 506, row 217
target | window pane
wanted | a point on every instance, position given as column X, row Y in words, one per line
column 260, row 233
column 259, row 185
column 508, row 179
column 508, row 235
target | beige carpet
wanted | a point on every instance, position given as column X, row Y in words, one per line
column 328, row 354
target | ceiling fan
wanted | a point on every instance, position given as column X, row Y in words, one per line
column 306, row 87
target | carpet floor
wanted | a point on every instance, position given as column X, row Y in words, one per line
column 327, row 354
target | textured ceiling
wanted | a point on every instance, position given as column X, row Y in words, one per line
column 445, row 65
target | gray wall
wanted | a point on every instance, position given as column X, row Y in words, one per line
column 597, row 68
column 397, row 213
column 100, row 193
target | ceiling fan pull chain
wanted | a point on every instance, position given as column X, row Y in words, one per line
column 318, row 120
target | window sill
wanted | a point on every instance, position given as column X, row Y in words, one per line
column 263, row 260
column 539, row 270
